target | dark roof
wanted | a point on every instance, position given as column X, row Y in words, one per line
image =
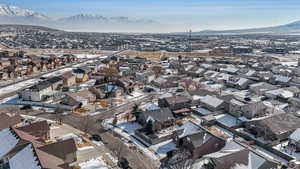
column 177, row 99
column 280, row 123
column 40, row 86
column 67, row 75
column 60, row 149
column 55, row 79
column 37, row 129
column 198, row 139
column 7, row 121
column 82, row 70
column 201, row 92
column 161, row 115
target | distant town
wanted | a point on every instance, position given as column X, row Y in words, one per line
column 71, row 100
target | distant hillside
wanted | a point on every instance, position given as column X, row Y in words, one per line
column 290, row 28
column 5, row 27
column 81, row 22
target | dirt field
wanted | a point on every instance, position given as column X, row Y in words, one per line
column 155, row 56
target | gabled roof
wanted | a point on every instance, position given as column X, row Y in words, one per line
column 211, row 101
column 36, row 129
column 160, row 115
column 8, row 141
column 60, row 149
column 234, row 155
column 25, row 158
column 295, row 135
column 41, row 86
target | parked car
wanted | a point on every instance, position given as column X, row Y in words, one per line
column 96, row 137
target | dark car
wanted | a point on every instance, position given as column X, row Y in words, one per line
column 96, row 137
column 148, row 90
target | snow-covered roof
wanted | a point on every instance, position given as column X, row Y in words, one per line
column 24, row 159
column 212, row 101
column 295, row 135
column 189, row 128
column 282, row 78
column 8, row 141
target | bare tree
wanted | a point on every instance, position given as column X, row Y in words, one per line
column 181, row 160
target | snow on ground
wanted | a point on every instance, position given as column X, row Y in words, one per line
column 54, row 127
column 58, row 73
column 18, row 86
column 86, row 56
column 9, row 99
column 289, row 63
column 288, row 150
column 138, row 144
column 134, row 95
column 98, row 143
column 163, row 148
column 114, row 160
column 77, row 138
column 97, row 163
column 85, row 148
column 129, row 127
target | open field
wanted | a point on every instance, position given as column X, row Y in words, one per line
column 155, row 56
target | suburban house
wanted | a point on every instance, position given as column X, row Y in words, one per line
column 164, row 83
column 212, row 103
column 276, row 127
column 262, row 87
column 38, row 92
column 23, row 148
column 233, row 155
column 238, row 109
column 238, row 82
column 82, row 74
column 294, row 139
column 81, row 99
column 201, row 143
column 69, row 79
column 145, row 77
column 175, row 102
column 56, row 82
column 160, row 118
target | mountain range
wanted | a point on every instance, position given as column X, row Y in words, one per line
column 291, row 28
column 80, row 22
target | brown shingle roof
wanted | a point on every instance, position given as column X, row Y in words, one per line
column 60, row 149
column 38, row 129
column 7, row 121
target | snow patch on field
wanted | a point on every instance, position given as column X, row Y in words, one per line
column 97, row 163
column 85, row 148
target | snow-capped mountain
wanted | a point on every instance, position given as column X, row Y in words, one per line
column 13, row 11
column 81, row 22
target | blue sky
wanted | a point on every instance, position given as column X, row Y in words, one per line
column 177, row 15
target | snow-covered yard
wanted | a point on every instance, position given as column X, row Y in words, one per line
column 17, row 86
column 97, row 163
column 163, row 148
column 129, row 127
column 288, row 150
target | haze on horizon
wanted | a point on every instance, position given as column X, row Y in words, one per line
column 176, row 15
